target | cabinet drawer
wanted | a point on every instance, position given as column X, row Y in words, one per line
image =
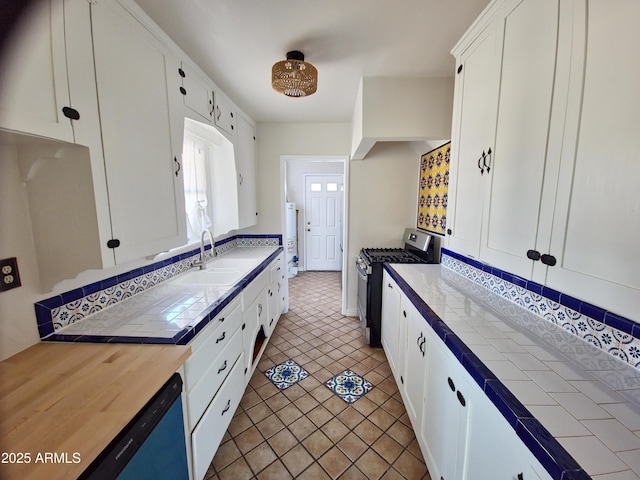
column 209, row 432
column 202, row 393
column 209, row 343
column 252, row 290
column 275, row 269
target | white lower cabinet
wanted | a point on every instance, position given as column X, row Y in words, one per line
column 224, row 356
column 207, row 435
column 461, row 434
column 393, row 326
column 415, row 364
column 504, row 456
column 447, row 412
column 255, row 313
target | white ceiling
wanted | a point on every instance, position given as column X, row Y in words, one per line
column 237, row 41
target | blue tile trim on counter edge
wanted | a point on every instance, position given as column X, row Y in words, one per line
column 608, row 318
column 553, row 457
column 43, row 308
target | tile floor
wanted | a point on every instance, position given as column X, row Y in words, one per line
column 306, row 431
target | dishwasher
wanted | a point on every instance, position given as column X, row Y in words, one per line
column 152, row 445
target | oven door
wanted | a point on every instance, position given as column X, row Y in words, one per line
column 363, row 297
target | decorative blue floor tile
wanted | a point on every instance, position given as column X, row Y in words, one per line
column 286, row 374
column 349, row 386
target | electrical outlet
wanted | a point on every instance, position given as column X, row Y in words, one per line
column 9, row 275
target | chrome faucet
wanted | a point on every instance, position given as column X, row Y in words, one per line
column 202, row 262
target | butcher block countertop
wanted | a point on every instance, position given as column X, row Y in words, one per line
column 61, row 404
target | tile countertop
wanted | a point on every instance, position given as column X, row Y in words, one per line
column 588, row 400
column 170, row 312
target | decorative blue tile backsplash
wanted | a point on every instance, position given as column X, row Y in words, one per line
column 57, row 312
column 612, row 333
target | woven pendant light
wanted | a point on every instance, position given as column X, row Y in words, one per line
column 294, row 77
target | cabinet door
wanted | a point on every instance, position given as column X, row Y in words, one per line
column 34, row 75
column 392, row 324
column 446, row 415
column 502, row 455
column 223, row 115
column 246, row 161
column 146, row 197
column 595, row 227
column 254, row 317
column 416, row 348
column 516, row 167
column 476, row 88
column 196, row 93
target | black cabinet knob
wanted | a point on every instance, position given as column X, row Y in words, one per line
column 452, row 385
column 71, row 113
column 533, row 255
column 461, row 398
column 548, row 259
column 113, row 243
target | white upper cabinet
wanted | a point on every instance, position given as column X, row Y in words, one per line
column 142, row 157
column 503, row 102
column 515, row 169
column 246, row 164
column 197, row 92
column 596, row 232
column 555, row 200
column 34, row 75
column 223, row 114
column 475, row 105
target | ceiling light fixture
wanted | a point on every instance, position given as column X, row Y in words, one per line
column 294, row 77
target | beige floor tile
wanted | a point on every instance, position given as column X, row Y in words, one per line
column 297, row 460
column 306, row 431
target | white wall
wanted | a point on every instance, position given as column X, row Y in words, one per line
column 382, row 189
column 298, row 139
column 383, row 201
column 18, row 328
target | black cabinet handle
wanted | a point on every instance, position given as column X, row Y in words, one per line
column 480, row 162
column 175, row 160
column 222, row 337
column 227, row 407
column 520, row 476
column 548, row 259
column 404, row 313
column 222, row 368
column 461, row 398
column 419, row 341
column 390, row 286
column 533, row 255
column 221, row 319
column 486, row 161
column 452, row 385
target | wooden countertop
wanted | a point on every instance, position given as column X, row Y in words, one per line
column 72, row 400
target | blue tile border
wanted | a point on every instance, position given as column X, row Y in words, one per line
column 616, row 335
column 553, row 456
column 61, row 310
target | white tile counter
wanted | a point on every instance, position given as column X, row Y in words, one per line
column 171, row 310
column 587, row 399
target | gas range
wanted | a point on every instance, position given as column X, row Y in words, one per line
column 418, row 248
column 389, row 255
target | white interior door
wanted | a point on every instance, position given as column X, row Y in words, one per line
column 323, row 222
